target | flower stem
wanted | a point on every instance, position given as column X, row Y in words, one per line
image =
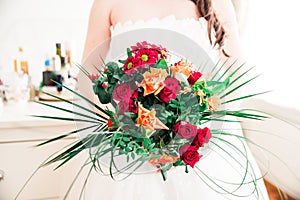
column 163, row 175
column 186, row 169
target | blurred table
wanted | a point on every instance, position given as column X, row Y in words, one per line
column 19, row 134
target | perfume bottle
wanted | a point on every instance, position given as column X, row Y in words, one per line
column 20, row 62
column 57, row 58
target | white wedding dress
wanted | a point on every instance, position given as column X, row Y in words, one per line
column 223, row 164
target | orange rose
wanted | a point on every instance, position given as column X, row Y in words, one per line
column 182, row 67
column 163, row 160
column 148, row 120
column 154, row 81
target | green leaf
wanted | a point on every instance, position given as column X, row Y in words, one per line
column 126, row 139
column 153, row 150
column 178, row 163
column 162, row 64
column 103, row 96
column 129, row 53
column 227, row 81
column 212, row 83
column 127, row 149
column 219, row 88
column 122, row 61
column 129, row 114
column 167, row 167
column 156, row 156
column 122, row 151
column 112, row 67
column 122, row 143
column 145, row 158
column 133, row 155
column 151, row 146
column 139, row 151
column 147, row 142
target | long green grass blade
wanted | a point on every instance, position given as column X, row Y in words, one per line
column 65, row 135
column 239, row 77
column 245, row 97
column 65, row 119
column 215, row 66
column 226, row 71
column 82, row 69
column 75, row 104
column 70, row 111
column 220, row 68
column 84, row 98
column 239, row 86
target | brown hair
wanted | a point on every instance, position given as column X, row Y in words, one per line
column 206, row 10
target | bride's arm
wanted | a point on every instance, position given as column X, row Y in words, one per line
column 232, row 44
column 98, row 35
column 98, row 26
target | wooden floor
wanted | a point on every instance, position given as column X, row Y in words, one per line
column 274, row 194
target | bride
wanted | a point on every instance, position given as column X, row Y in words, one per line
column 212, row 25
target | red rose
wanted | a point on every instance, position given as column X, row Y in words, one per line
column 203, row 136
column 207, row 134
column 123, row 92
column 194, row 77
column 166, row 95
column 189, row 154
column 127, row 106
column 185, row 130
column 173, row 85
column 132, row 106
column 135, row 95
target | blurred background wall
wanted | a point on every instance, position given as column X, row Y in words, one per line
column 272, row 45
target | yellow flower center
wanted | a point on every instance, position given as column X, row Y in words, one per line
column 144, row 58
column 129, row 66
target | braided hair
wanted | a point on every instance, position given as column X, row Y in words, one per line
column 205, row 10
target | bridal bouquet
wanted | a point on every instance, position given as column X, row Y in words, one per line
column 153, row 111
column 159, row 107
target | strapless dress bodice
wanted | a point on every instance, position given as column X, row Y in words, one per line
column 194, row 29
